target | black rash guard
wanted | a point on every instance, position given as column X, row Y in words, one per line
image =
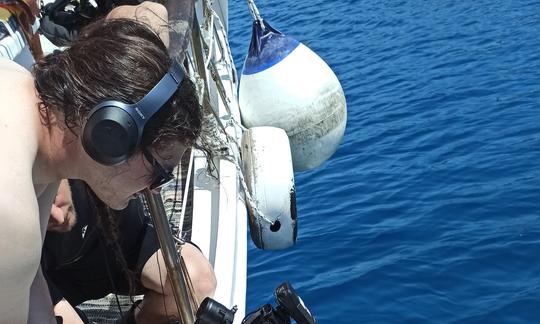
column 79, row 266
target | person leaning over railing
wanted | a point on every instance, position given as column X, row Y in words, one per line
column 42, row 118
column 80, row 265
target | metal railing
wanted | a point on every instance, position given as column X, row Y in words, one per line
column 176, row 269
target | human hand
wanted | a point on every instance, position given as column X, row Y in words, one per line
column 151, row 13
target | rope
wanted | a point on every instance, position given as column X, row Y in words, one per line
column 209, row 36
column 184, row 198
column 212, row 21
column 255, row 13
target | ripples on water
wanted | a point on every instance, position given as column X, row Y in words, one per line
column 429, row 210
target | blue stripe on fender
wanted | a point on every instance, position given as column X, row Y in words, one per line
column 267, row 48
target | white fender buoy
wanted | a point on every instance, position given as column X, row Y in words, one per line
column 269, row 176
column 286, row 85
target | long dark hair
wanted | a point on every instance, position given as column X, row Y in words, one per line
column 116, row 59
column 107, row 224
column 122, row 60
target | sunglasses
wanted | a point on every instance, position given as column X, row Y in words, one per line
column 160, row 176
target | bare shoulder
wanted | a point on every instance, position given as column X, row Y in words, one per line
column 13, row 77
column 7, row 66
column 151, row 13
column 20, row 233
column 18, row 97
column 144, row 11
column 19, row 124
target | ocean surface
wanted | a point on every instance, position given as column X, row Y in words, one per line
column 429, row 212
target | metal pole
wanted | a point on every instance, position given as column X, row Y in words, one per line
column 171, row 257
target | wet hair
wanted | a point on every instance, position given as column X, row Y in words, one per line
column 122, row 60
column 117, row 59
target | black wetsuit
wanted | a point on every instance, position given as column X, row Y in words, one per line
column 79, row 266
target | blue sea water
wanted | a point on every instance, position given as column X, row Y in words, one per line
column 429, row 212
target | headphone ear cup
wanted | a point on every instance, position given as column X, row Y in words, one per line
column 110, row 135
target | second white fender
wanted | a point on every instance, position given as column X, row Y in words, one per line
column 267, row 166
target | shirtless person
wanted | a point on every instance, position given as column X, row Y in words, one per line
column 43, row 117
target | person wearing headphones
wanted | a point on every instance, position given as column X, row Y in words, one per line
column 80, row 265
column 113, row 110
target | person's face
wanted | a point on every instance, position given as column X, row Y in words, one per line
column 62, row 217
column 123, row 182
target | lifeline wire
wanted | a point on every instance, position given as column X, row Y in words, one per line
column 231, row 141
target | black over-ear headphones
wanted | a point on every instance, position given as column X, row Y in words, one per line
column 114, row 129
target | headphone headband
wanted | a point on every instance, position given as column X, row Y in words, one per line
column 160, row 93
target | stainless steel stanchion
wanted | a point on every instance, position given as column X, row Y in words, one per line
column 177, row 275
